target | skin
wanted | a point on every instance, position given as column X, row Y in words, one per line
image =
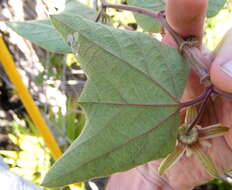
column 187, row 18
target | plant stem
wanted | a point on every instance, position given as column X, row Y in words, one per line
column 193, row 60
column 100, row 14
column 195, row 101
column 131, row 8
column 221, row 93
column 201, row 109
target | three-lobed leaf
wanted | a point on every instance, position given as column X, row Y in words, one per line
column 130, row 99
column 42, row 33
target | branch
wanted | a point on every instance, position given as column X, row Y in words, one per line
column 143, row 11
column 221, row 93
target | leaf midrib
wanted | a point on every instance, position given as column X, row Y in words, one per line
column 124, row 61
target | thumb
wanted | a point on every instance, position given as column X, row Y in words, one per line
column 221, row 67
column 186, row 17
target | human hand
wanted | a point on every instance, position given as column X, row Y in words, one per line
column 187, row 17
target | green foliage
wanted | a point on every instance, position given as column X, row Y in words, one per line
column 216, row 184
column 217, row 26
column 74, row 122
column 42, row 33
column 214, row 7
column 52, row 69
column 147, row 23
column 69, row 125
column 74, row 7
column 126, row 71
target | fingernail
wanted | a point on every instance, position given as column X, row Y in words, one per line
column 227, row 68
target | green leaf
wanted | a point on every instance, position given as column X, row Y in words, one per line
column 130, row 78
column 42, row 33
column 147, row 23
column 214, row 6
column 74, row 7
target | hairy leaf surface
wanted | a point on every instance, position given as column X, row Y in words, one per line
column 42, row 33
column 130, row 78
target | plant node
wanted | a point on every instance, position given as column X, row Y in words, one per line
column 187, row 138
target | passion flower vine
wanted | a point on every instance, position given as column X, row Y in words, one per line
column 132, row 99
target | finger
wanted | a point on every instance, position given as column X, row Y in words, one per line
column 143, row 177
column 221, row 68
column 128, row 180
column 186, row 17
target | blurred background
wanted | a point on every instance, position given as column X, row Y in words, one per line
column 55, row 82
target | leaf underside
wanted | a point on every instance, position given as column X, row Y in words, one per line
column 130, row 78
column 42, row 33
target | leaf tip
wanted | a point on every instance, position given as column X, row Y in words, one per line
column 51, row 179
column 11, row 25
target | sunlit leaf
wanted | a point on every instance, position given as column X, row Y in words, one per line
column 42, row 33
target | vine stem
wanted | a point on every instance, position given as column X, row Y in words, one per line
column 221, row 93
column 208, row 92
column 191, row 58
